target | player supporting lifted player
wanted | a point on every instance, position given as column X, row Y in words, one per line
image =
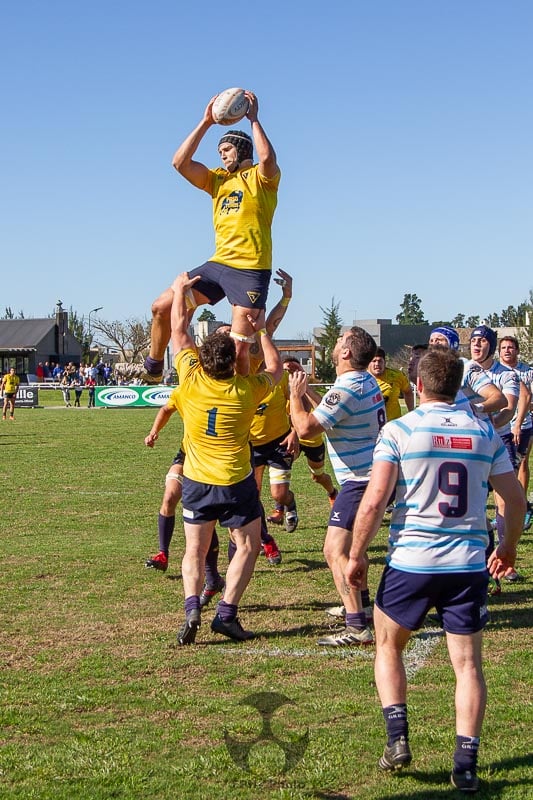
column 244, row 200
column 217, row 406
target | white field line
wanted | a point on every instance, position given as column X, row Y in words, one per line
column 419, row 651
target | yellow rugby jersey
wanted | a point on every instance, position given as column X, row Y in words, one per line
column 243, row 209
column 392, row 383
column 11, row 383
column 173, row 399
column 271, row 419
column 217, row 415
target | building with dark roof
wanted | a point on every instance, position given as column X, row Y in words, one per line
column 26, row 342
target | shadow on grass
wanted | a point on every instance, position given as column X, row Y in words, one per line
column 311, row 605
column 503, row 616
column 491, row 788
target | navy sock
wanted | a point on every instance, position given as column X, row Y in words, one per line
column 165, row 527
column 356, row 620
column 192, row 603
column 153, row 365
column 226, row 611
column 396, row 722
column 465, row 756
column 212, row 575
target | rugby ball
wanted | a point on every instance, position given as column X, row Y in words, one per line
column 230, row 106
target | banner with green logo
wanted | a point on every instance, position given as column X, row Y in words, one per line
column 132, row 396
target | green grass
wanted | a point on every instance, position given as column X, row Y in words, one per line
column 99, row 702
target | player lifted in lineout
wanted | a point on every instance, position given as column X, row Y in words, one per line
column 244, row 200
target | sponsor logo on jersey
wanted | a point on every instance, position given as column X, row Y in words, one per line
column 443, row 442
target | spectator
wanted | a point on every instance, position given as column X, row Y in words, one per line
column 65, row 388
column 90, row 383
column 77, row 385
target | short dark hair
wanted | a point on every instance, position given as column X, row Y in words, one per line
column 291, row 360
column 362, row 347
column 380, row 353
column 441, row 371
column 218, row 356
column 512, row 339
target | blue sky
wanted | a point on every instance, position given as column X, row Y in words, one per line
column 403, row 129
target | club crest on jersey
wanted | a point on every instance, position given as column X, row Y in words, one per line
column 332, row 399
column 231, row 203
column 254, row 296
column 192, row 361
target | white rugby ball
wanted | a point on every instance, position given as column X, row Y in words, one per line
column 230, row 106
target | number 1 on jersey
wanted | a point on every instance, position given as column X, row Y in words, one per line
column 211, row 422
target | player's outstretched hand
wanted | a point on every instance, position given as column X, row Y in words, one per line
column 208, row 113
column 298, row 383
column 183, row 282
column 253, row 105
column 285, row 281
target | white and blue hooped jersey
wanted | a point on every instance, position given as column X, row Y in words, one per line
column 445, row 457
column 474, row 379
column 507, row 382
column 525, row 374
column 352, row 413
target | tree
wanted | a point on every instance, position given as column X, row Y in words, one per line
column 512, row 317
column 9, row 314
column 331, row 326
column 411, row 313
column 525, row 333
column 77, row 327
column 458, row 321
column 493, row 321
column 472, row 322
column 206, row 315
column 131, row 337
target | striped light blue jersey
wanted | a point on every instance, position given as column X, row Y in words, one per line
column 507, row 382
column 445, row 457
column 525, row 374
column 474, row 380
column 351, row 413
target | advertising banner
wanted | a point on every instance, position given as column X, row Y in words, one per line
column 132, row 396
column 27, row 397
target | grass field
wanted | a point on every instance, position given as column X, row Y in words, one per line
column 99, row 702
